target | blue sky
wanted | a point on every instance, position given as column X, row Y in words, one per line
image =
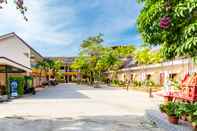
column 57, row 27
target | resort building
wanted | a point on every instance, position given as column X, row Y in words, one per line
column 69, row 75
column 16, row 59
column 158, row 73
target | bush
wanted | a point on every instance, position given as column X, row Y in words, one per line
column 149, row 83
column 137, row 83
column 180, row 109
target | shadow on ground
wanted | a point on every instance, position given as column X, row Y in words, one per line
column 59, row 92
column 67, row 91
column 86, row 123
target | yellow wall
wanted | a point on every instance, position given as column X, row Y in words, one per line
column 180, row 70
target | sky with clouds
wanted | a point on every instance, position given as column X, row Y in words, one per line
column 57, row 27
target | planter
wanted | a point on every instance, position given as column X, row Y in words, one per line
column 194, row 126
column 173, row 119
column 184, row 118
column 167, row 99
column 189, row 118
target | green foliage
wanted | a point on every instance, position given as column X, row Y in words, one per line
column 95, row 59
column 137, row 83
column 162, row 108
column 148, row 83
column 180, row 38
column 53, row 66
column 124, row 51
column 180, row 109
column 170, row 108
column 21, row 82
column 146, row 56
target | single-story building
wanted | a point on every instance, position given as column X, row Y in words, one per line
column 158, row 73
column 16, row 59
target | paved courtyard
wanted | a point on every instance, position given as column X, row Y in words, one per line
column 70, row 107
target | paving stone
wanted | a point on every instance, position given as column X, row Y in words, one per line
column 160, row 120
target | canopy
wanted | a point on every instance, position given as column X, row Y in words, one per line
column 16, row 67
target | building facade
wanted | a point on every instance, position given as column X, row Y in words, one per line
column 158, row 73
column 69, row 74
column 16, row 58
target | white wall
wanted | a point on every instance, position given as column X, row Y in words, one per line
column 15, row 50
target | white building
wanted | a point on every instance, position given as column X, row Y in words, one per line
column 16, row 58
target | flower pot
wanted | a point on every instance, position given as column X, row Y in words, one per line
column 194, row 126
column 189, row 118
column 173, row 119
column 184, row 118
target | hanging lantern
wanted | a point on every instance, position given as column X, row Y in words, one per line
column 165, row 22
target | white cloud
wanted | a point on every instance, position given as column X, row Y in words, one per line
column 65, row 24
column 43, row 22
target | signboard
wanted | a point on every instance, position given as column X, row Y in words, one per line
column 14, row 88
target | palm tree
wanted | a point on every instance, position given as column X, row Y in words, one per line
column 42, row 67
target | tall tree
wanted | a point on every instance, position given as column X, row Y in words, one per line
column 91, row 50
column 124, row 51
column 53, row 67
column 42, row 68
column 172, row 24
column 145, row 56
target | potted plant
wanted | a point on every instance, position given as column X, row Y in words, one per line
column 190, row 111
column 194, row 124
column 182, row 110
column 171, row 111
column 162, row 108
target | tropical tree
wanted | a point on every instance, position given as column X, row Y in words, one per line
column 145, row 55
column 172, row 24
column 19, row 6
column 124, row 51
column 95, row 59
column 142, row 56
column 53, row 67
column 41, row 67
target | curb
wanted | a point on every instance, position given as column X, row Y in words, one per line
column 161, row 122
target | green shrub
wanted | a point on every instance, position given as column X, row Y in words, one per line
column 149, row 83
column 180, row 109
column 21, row 82
column 137, row 83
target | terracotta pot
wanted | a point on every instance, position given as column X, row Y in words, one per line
column 173, row 119
column 184, row 118
column 194, row 126
column 189, row 118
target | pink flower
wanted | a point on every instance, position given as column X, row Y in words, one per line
column 165, row 22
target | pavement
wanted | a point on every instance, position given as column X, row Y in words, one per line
column 72, row 107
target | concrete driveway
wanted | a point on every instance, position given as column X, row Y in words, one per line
column 70, row 107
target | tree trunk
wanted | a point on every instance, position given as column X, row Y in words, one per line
column 91, row 78
column 40, row 75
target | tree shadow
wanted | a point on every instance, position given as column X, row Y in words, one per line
column 58, row 92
